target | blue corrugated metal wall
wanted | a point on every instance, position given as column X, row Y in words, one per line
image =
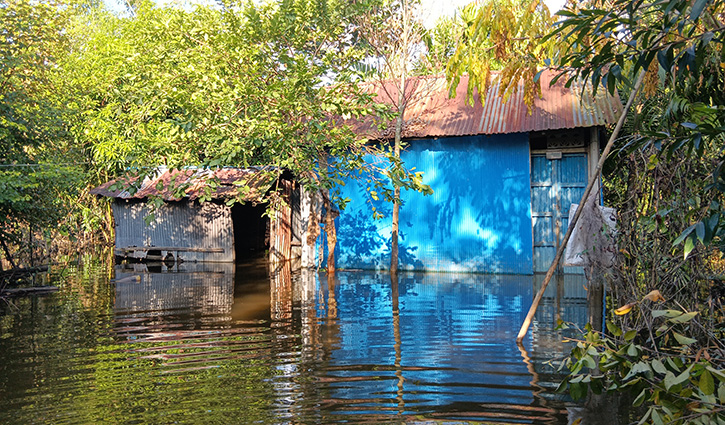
column 477, row 220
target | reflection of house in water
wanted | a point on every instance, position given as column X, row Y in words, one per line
column 441, row 343
column 503, row 179
column 187, row 229
column 190, row 288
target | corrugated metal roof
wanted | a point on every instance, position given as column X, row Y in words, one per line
column 192, row 182
column 431, row 113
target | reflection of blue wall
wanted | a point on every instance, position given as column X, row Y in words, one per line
column 457, row 339
column 477, row 220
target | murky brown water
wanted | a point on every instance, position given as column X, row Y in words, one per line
column 219, row 344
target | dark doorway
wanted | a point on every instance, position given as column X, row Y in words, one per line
column 250, row 231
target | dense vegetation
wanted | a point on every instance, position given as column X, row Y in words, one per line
column 88, row 95
column 665, row 340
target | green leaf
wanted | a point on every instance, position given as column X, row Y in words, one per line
column 707, row 383
column 663, row 60
column 658, row 367
column 671, row 380
column 645, row 417
column 629, row 335
column 577, row 391
column 700, row 231
column 632, row 350
column 685, row 317
column 697, row 7
column 689, row 246
column 589, row 362
column 614, row 329
column 640, row 398
column 562, row 386
column 689, row 125
column 684, row 340
column 683, row 235
column 718, row 373
column 638, row 368
column 668, row 313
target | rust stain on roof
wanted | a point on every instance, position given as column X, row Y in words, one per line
column 431, row 113
column 174, row 185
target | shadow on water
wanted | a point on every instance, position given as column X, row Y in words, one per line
column 217, row 343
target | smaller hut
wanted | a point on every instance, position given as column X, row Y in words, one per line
column 194, row 219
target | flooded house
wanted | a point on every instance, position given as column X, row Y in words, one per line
column 503, row 178
column 184, row 229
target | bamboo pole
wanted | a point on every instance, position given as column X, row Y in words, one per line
column 585, row 196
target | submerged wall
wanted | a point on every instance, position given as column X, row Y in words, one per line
column 176, row 224
column 477, row 220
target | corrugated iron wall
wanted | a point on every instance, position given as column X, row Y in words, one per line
column 477, row 220
column 178, row 224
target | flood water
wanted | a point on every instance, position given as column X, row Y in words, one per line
column 224, row 344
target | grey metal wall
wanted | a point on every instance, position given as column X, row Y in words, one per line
column 178, row 224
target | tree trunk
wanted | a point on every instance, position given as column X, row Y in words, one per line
column 330, row 215
column 310, row 207
column 330, row 231
column 398, row 137
column 396, row 212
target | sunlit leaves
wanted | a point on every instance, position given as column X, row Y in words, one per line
column 678, row 44
column 242, row 86
column 506, row 36
column 41, row 168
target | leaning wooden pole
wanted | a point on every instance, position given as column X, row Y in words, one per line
column 592, row 180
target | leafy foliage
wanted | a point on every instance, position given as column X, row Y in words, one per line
column 664, row 370
column 39, row 162
column 217, row 87
column 506, row 36
column 679, row 45
column 664, row 182
column 238, row 86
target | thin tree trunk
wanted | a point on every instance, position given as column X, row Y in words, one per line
column 398, row 136
column 396, row 205
column 30, row 246
column 109, row 230
column 331, row 232
column 329, row 219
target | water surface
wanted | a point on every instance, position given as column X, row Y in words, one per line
column 223, row 344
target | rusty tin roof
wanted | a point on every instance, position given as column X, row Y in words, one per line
column 191, row 182
column 431, row 113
